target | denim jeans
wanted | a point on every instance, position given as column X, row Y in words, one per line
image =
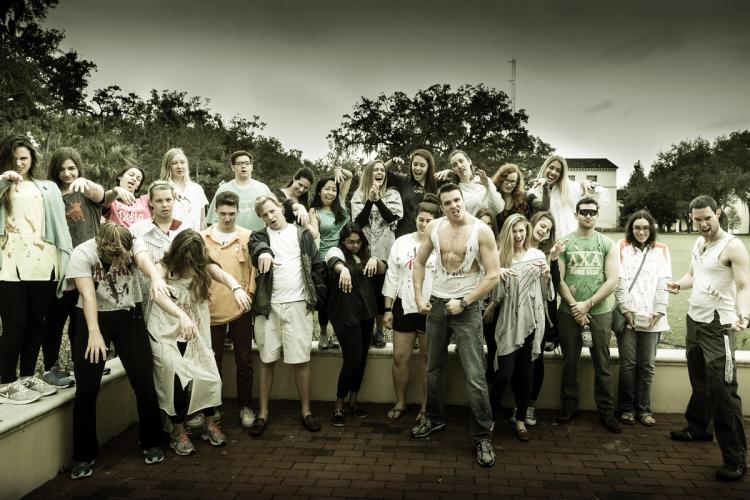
column 571, row 344
column 467, row 328
column 637, row 356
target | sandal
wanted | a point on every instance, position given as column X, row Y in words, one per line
column 627, row 417
column 395, row 413
column 647, row 420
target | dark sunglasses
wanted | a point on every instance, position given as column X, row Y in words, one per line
column 587, row 212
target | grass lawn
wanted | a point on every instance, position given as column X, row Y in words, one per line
column 679, row 247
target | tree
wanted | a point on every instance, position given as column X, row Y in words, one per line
column 473, row 118
column 35, row 74
column 635, row 195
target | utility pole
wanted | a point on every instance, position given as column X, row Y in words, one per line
column 513, row 83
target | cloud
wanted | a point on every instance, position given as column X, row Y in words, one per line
column 600, row 106
column 627, row 112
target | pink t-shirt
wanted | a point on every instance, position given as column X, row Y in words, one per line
column 127, row 215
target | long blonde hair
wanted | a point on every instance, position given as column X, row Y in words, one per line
column 561, row 183
column 365, row 181
column 166, row 165
column 505, row 240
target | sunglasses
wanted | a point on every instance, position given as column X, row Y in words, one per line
column 587, row 212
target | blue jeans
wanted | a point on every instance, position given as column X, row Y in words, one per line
column 467, row 328
column 637, row 355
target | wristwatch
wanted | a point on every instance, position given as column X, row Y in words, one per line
column 463, row 303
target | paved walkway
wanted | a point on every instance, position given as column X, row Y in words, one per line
column 376, row 458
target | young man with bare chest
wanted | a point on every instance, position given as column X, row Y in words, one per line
column 718, row 308
column 461, row 243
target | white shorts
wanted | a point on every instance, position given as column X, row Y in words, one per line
column 289, row 328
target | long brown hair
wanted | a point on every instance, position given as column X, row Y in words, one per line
column 518, row 195
column 188, row 252
column 8, row 146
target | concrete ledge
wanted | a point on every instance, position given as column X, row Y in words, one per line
column 670, row 391
column 37, row 439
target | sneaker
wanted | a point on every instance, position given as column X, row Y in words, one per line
column 213, row 435
column 337, row 418
column 247, row 417
column 425, row 427
column 378, row 340
column 611, row 424
column 687, row 434
column 154, row 455
column 325, row 342
column 485, row 453
column 195, row 421
column 731, row 473
column 334, row 344
column 530, row 419
column 58, row 377
column 181, row 444
column 356, row 411
column 36, row 384
column 628, row 417
column 81, row 470
column 17, row 393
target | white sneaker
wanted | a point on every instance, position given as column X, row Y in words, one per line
column 16, row 393
column 39, row 385
column 247, row 416
column 530, row 416
column 194, row 421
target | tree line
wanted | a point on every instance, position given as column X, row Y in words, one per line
column 44, row 91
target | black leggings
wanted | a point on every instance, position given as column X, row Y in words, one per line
column 488, row 329
column 516, row 368
column 24, row 306
column 61, row 310
column 355, row 342
column 182, row 396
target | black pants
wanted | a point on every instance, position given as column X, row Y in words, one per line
column 488, row 329
column 516, row 369
column 61, row 310
column 182, row 395
column 355, row 342
column 126, row 329
column 714, row 407
column 24, row 306
column 241, row 332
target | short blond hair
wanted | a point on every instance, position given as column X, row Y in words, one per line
column 261, row 200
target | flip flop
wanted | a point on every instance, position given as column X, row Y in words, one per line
column 395, row 413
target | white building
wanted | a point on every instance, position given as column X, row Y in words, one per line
column 603, row 172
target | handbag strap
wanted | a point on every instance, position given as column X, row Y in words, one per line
column 639, row 269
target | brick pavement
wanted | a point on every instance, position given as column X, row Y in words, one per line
column 376, row 458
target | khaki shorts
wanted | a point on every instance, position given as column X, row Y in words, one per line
column 288, row 328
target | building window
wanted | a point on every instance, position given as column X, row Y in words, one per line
column 592, row 178
column 571, row 177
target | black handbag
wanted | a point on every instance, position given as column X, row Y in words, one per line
column 619, row 323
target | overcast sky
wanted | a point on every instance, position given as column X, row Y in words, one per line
column 619, row 80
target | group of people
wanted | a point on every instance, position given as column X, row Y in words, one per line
column 436, row 256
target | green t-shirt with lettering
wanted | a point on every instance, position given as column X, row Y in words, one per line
column 584, row 260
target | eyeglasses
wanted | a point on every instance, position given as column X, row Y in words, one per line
column 644, row 229
column 507, row 182
column 588, row 212
column 242, row 164
column 353, row 242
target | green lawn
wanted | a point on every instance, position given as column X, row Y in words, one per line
column 679, row 247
